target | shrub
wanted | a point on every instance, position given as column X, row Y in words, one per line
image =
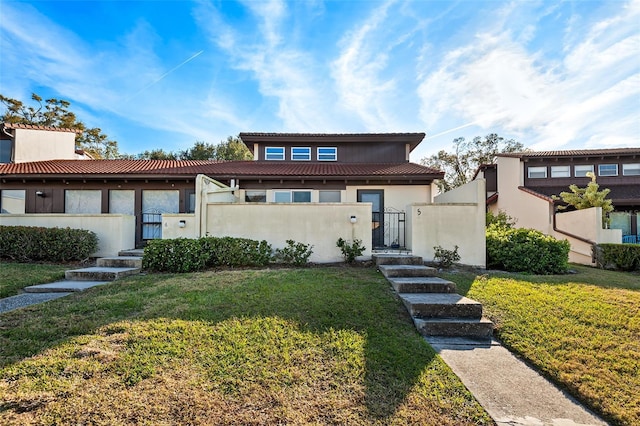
column 445, row 258
column 31, row 243
column 350, row 250
column 294, row 253
column 526, row 250
column 187, row 255
column 501, row 219
column 618, row 256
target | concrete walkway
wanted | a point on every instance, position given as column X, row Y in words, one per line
column 44, row 292
column 511, row 392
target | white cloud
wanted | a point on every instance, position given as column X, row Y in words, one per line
column 497, row 82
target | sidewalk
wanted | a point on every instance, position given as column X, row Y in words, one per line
column 511, row 392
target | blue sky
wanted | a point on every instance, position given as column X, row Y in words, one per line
column 164, row 74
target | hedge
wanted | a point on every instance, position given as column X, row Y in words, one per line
column 187, row 255
column 618, row 256
column 31, row 243
column 526, row 250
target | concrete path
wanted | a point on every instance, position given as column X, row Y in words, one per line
column 511, row 392
column 44, row 292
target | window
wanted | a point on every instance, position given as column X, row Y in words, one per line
column 301, row 154
column 79, row 201
column 292, row 196
column 301, row 196
column 329, row 196
column 12, row 201
column 328, row 154
column 607, row 170
column 281, row 196
column 631, row 169
column 560, row 171
column 122, row 201
column 274, row 153
column 255, row 196
column 537, row 172
column 581, row 171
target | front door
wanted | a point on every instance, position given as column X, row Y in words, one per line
column 376, row 198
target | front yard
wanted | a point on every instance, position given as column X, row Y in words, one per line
column 581, row 330
column 16, row 276
column 306, row 346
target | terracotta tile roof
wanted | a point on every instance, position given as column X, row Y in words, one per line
column 620, row 194
column 37, row 127
column 573, row 153
column 214, row 168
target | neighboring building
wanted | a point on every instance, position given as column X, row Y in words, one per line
column 519, row 182
column 22, row 143
column 288, row 168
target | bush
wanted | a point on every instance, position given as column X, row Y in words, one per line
column 526, row 250
column 625, row 257
column 187, row 255
column 350, row 250
column 31, row 243
column 294, row 253
column 445, row 258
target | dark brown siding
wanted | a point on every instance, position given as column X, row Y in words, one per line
column 349, row 152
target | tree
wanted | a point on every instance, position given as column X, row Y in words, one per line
column 156, row 154
column 199, row 151
column 55, row 113
column 460, row 165
column 589, row 196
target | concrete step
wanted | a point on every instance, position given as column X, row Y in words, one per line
column 97, row 273
column 441, row 305
column 396, row 271
column 63, row 286
column 479, row 328
column 132, row 252
column 422, row 285
column 120, row 262
column 396, row 259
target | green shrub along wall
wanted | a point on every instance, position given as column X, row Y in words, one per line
column 525, row 250
column 625, row 257
column 187, row 255
column 30, row 243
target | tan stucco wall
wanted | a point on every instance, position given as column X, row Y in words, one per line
column 40, row 145
column 318, row 224
column 529, row 210
column 447, row 224
column 115, row 231
column 171, row 226
column 395, row 196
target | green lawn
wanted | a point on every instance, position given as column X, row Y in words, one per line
column 305, row 346
column 581, row 330
column 16, row 276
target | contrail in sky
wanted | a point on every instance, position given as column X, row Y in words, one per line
column 164, row 75
column 451, row 130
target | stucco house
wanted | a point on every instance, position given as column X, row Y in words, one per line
column 296, row 185
column 522, row 185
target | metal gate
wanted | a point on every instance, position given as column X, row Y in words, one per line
column 393, row 235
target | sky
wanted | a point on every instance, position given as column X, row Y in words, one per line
column 165, row 74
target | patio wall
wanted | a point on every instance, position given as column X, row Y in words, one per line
column 456, row 218
column 318, row 224
column 115, row 231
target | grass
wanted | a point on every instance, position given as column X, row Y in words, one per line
column 300, row 346
column 16, row 276
column 581, row 330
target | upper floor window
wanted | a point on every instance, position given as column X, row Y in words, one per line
column 581, row 171
column 607, row 170
column 560, row 171
column 328, row 154
column 631, row 169
column 301, row 153
column 274, row 153
column 537, row 172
